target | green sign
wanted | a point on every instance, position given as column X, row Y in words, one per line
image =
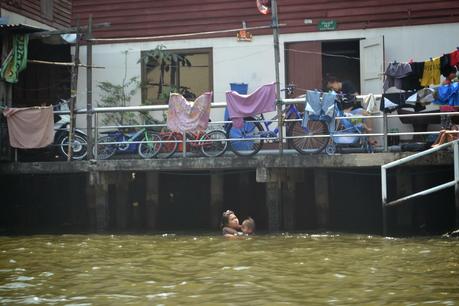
column 327, row 25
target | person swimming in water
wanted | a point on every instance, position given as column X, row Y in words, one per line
column 248, row 226
column 230, row 224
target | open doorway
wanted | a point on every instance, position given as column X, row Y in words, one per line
column 308, row 63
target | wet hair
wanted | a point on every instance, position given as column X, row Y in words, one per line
column 249, row 223
column 331, row 78
column 225, row 218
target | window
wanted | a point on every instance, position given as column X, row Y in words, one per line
column 47, row 9
column 188, row 72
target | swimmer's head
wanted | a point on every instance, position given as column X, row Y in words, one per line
column 248, row 226
column 229, row 219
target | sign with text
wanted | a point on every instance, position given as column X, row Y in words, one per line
column 327, row 25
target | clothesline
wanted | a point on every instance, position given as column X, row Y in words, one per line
column 431, row 58
column 183, row 35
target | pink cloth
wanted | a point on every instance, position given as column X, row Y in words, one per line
column 185, row 116
column 30, row 127
column 262, row 100
column 448, row 108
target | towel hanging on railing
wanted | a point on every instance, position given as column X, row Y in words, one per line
column 262, row 100
column 186, row 116
column 30, row 127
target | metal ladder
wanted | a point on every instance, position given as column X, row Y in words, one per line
column 455, row 182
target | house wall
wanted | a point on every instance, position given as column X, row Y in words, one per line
column 252, row 62
column 161, row 17
column 29, row 12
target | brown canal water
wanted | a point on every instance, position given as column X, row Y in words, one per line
column 329, row 269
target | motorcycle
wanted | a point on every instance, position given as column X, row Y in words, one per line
column 61, row 135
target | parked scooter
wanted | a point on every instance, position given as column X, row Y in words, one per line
column 61, row 135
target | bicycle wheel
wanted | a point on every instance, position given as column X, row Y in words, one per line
column 150, row 148
column 237, row 142
column 79, row 146
column 308, row 145
column 105, row 151
column 217, row 146
column 167, row 148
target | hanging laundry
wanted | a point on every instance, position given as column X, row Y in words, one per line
column 454, row 58
column 318, row 108
column 391, row 101
column 413, row 81
column 431, row 74
column 448, row 94
column 16, row 61
column 30, row 127
column 395, row 72
column 262, row 100
column 369, row 104
column 186, row 116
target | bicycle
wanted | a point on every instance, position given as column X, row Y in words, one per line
column 144, row 141
column 248, row 140
column 209, row 144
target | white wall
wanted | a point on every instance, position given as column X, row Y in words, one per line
column 253, row 62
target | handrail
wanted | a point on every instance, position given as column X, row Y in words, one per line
column 384, row 168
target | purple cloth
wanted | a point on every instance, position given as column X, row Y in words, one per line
column 262, row 100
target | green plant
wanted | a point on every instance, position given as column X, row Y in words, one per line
column 118, row 95
column 166, row 61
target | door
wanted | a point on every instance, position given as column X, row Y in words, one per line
column 372, row 65
column 304, row 65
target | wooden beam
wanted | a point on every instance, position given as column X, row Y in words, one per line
column 68, row 30
column 70, row 64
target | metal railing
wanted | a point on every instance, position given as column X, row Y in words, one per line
column 384, row 168
column 385, row 133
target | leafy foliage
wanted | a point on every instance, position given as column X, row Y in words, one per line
column 166, row 61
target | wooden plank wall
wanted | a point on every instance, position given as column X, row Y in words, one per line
column 136, row 18
column 62, row 11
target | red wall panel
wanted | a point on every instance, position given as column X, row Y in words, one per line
column 159, row 17
column 62, row 11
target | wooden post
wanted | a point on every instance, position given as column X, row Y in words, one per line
column 89, row 88
column 73, row 95
column 290, row 180
column 97, row 198
column 273, row 202
column 275, row 26
column 216, row 199
column 121, row 200
column 152, row 199
column 322, row 199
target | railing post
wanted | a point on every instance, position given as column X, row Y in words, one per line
column 456, row 178
column 384, row 199
column 184, row 145
column 385, row 131
column 96, row 135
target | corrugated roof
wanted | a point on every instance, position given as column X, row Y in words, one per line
column 20, row 28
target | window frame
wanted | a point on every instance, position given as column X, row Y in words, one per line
column 143, row 71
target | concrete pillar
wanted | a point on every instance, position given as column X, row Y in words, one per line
column 121, row 182
column 322, row 199
column 245, row 198
column 151, row 199
column 273, row 179
column 404, row 187
column 216, row 199
column 98, row 200
column 290, row 180
column 273, row 202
